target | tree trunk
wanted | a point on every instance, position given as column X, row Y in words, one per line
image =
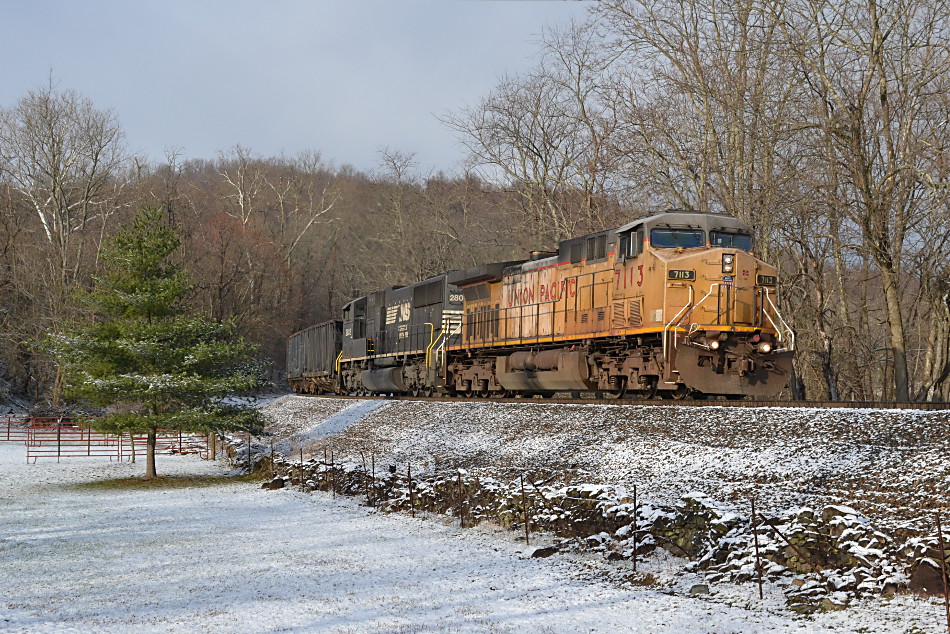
column 827, row 365
column 797, row 384
column 896, row 330
column 57, row 386
column 150, row 455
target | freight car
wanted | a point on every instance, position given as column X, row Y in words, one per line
column 672, row 305
column 311, row 355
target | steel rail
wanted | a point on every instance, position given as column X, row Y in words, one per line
column 907, row 405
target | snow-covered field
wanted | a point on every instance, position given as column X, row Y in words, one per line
column 892, row 465
column 231, row 557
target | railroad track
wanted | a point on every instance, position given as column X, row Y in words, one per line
column 656, row 403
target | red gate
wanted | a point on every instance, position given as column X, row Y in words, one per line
column 60, row 438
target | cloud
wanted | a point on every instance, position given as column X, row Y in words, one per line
column 343, row 78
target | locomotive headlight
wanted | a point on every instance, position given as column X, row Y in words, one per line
column 728, row 262
column 765, row 347
column 714, row 344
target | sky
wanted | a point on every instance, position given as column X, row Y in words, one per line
column 346, row 78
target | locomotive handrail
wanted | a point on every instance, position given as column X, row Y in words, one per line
column 337, row 363
column 677, row 317
column 707, row 296
column 446, row 334
column 432, row 341
column 791, row 333
column 430, row 352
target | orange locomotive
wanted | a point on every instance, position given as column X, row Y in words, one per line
column 671, row 305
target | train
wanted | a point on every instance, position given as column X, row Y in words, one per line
column 671, row 305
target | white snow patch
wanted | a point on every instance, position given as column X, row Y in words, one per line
column 325, row 428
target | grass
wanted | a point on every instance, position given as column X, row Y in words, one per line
column 162, row 482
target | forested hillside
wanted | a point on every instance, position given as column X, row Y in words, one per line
column 823, row 124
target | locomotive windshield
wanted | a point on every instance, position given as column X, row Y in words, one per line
column 731, row 240
column 672, row 238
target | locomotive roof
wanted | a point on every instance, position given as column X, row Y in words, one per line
column 407, row 288
column 686, row 218
column 672, row 217
column 481, row 273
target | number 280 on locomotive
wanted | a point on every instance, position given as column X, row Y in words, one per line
column 668, row 306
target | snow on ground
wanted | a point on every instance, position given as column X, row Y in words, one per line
column 892, row 465
column 336, row 422
column 231, row 557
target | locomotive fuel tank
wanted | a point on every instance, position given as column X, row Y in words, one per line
column 545, row 371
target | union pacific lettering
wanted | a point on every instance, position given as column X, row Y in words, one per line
column 517, row 295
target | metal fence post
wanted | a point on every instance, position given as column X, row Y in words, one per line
column 412, row 506
column 755, row 538
column 943, row 571
column 365, row 477
column 635, row 528
column 524, row 510
column 250, row 463
column 461, row 508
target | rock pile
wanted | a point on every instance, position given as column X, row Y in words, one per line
column 823, row 560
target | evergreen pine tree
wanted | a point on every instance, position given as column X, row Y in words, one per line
column 146, row 362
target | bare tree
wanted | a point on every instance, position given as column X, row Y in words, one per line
column 545, row 136
column 62, row 154
column 303, row 193
column 243, row 171
column 705, row 98
column 875, row 70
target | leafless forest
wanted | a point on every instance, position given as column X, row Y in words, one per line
column 822, row 123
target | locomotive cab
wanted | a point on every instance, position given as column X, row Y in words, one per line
column 722, row 331
column 354, row 328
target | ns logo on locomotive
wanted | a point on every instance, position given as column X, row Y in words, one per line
column 668, row 306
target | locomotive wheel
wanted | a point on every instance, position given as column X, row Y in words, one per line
column 427, row 392
column 616, row 394
column 681, row 392
column 648, row 393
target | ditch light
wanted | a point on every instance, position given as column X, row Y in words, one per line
column 728, row 263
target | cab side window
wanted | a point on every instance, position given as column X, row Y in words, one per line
column 631, row 244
